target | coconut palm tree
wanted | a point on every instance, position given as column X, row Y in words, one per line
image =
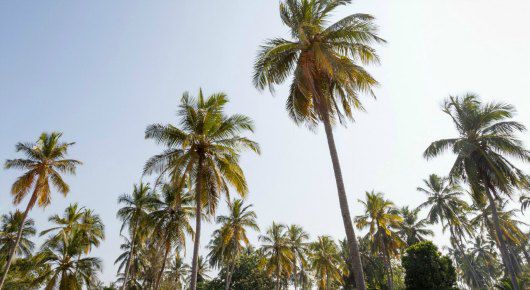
column 326, row 262
column 325, row 62
column 230, row 240
column 486, row 138
column 277, row 251
column 64, row 271
column 413, row 230
column 382, row 218
column 177, row 272
column 172, row 221
column 134, row 215
column 206, row 149
column 44, row 163
column 9, row 226
column 298, row 241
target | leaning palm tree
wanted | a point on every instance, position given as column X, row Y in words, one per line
column 413, row 230
column 382, row 218
column 44, row 163
column 134, row 215
column 298, row 241
column 9, row 227
column 205, row 148
column 325, row 62
column 486, row 138
column 277, row 251
column 230, row 240
column 326, row 262
column 172, row 221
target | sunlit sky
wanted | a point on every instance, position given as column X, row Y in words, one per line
column 101, row 71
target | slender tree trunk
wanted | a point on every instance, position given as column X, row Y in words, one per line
column 12, row 251
column 229, row 273
column 130, row 259
column 295, row 280
column 157, row 284
column 388, row 266
column 196, row 242
column 500, row 239
column 345, row 211
column 278, row 278
column 458, row 242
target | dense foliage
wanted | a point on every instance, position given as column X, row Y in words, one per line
column 427, row 269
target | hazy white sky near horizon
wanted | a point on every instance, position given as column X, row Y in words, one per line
column 101, row 71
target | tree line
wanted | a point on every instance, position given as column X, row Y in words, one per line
column 199, row 168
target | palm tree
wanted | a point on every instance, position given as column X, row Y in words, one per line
column 177, row 272
column 134, row 215
column 486, row 137
column 64, row 271
column 44, row 163
column 446, row 206
column 413, row 230
column 327, row 77
column 9, row 227
column 206, row 149
column 230, row 240
column 276, row 249
column 326, row 262
column 172, row 221
column 299, row 247
column 383, row 221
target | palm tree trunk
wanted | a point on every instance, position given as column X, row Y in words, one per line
column 166, row 252
column 295, row 280
column 458, row 242
column 278, row 277
column 388, row 266
column 130, row 259
column 229, row 273
column 344, row 208
column 196, row 242
column 500, row 238
column 12, row 251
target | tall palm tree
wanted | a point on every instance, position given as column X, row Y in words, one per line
column 486, row 138
column 326, row 262
column 232, row 236
column 277, row 251
column 205, row 148
column 382, row 218
column 298, row 241
column 9, row 227
column 177, row 272
column 64, row 271
column 325, row 62
column 446, row 206
column 44, row 163
column 134, row 215
column 172, row 221
column 413, row 230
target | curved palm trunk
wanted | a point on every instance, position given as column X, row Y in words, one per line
column 12, row 251
column 501, row 243
column 229, row 275
column 355, row 256
column 129, row 261
column 196, row 242
column 458, row 242
column 166, row 252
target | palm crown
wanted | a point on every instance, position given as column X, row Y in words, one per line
column 323, row 60
column 45, row 161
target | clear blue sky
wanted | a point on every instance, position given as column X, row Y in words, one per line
column 101, row 71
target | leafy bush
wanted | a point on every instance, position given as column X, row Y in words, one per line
column 427, row 269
